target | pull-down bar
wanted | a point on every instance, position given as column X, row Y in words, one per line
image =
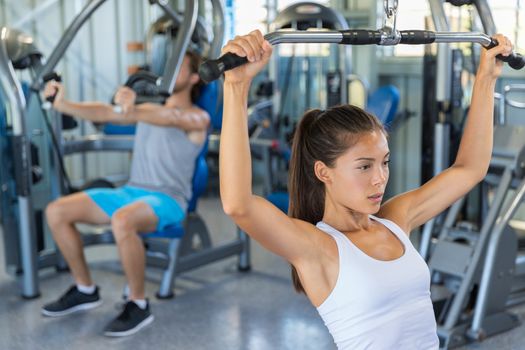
column 213, row 69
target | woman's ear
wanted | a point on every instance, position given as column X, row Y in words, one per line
column 322, row 172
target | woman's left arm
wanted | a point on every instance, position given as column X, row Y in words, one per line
column 415, row 207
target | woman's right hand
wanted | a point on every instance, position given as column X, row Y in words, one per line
column 56, row 90
column 255, row 48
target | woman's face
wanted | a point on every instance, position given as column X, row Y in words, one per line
column 360, row 175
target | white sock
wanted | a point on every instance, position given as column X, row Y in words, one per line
column 86, row 289
column 142, row 303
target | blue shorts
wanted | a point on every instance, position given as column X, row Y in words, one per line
column 167, row 210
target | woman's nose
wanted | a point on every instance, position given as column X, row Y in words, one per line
column 380, row 176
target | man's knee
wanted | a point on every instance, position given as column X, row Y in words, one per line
column 57, row 213
column 122, row 224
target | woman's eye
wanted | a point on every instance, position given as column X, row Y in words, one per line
column 386, row 162
column 364, row 167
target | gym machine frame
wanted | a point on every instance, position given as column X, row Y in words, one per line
column 443, row 86
column 31, row 261
column 163, row 250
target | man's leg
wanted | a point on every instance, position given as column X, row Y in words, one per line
column 61, row 215
column 126, row 223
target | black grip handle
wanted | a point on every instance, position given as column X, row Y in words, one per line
column 360, row 37
column 51, row 99
column 514, row 60
column 417, row 37
column 48, row 77
column 213, row 69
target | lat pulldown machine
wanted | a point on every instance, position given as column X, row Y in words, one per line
column 477, row 278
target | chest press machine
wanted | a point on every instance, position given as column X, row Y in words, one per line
column 176, row 249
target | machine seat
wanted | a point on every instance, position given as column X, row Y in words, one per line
column 383, row 104
column 280, row 199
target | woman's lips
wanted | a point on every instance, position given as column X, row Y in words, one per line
column 376, row 198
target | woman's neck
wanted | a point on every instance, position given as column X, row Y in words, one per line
column 344, row 219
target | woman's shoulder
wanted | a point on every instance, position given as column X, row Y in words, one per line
column 395, row 212
column 308, row 227
column 317, row 233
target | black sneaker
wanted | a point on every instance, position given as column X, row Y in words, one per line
column 130, row 321
column 72, row 301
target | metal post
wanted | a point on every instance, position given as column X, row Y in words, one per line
column 426, row 238
column 464, row 289
column 488, row 269
column 219, row 28
column 244, row 256
column 174, row 62
column 485, row 14
column 273, row 66
column 345, row 59
column 441, row 147
column 3, row 13
column 17, row 103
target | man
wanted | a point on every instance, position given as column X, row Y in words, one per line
column 168, row 139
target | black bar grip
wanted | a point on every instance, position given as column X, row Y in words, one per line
column 213, row 69
column 360, row 37
column 417, row 37
column 48, row 77
column 514, row 60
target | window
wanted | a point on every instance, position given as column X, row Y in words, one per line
column 509, row 18
column 253, row 14
column 249, row 15
column 410, row 15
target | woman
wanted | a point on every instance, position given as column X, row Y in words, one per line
column 351, row 254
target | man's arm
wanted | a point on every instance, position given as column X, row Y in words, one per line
column 94, row 111
column 97, row 112
column 190, row 119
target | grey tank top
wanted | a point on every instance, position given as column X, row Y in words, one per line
column 164, row 160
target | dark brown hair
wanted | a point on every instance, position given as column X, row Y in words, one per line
column 324, row 136
column 195, row 62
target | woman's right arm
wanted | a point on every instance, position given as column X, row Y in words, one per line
column 259, row 218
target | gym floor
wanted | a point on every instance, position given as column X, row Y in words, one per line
column 215, row 307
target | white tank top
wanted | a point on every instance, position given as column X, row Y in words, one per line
column 379, row 304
